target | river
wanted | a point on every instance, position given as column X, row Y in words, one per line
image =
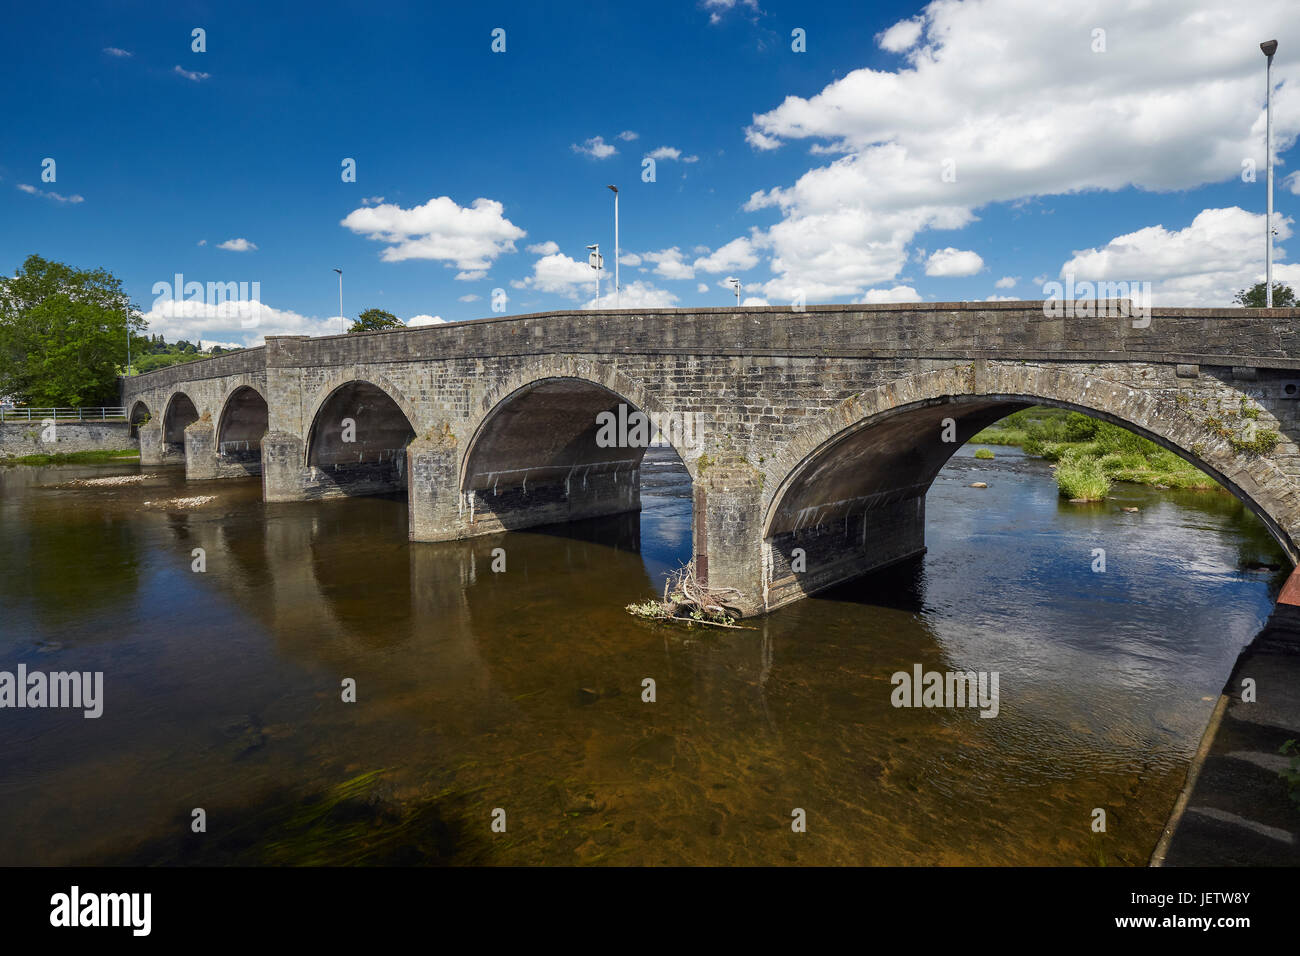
column 517, row 695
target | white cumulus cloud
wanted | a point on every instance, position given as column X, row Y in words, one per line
column 468, row 237
column 736, row 256
column 670, row 264
column 244, row 323
column 953, row 262
column 596, row 148
column 237, row 245
column 901, row 36
column 899, row 293
column 671, row 152
column 637, row 294
column 1204, row 264
column 560, row 274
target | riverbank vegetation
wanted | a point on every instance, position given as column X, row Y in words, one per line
column 63, row 334
column 96, row 457
column 1090, row 454
column 159, row 353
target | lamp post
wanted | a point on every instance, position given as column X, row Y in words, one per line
column 342, row 330
column 735, row 284
column 1269, row 47
column 618, row 298
column 595, row 261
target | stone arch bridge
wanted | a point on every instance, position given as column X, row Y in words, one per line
column 819, row 430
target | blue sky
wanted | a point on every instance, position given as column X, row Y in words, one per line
column 910, row 152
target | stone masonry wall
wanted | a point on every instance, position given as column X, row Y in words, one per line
column 769, row 389
column 24, row 438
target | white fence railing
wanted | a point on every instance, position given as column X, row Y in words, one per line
column 27, row 414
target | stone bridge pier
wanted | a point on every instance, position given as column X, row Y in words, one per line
column 811, row 438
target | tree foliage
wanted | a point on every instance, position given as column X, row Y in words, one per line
column 63, row 334
column 1253, row 298
column 373, row 319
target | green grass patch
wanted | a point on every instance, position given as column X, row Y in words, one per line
column 1082, row 478
column 97, row 457
column 1116, row 453
column 1000, row 436
column 984, row 454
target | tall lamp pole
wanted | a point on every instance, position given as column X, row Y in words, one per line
column 1269, row 47
column 617, row 288
column 341, row 328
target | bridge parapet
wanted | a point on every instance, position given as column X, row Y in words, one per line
column 1258, row 337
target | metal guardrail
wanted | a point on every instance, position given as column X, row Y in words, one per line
column 27, row 414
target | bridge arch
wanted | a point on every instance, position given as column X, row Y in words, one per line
column 180, row 413
column 140, row 414
column 599, row 374
column 862, row 468
column 537, row 453
column 241, row 424
column 357, row 436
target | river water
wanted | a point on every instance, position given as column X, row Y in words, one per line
column 517, row 695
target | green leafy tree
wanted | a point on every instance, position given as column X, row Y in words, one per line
column 63, row 334
column 1253, row 298
column 372, row 319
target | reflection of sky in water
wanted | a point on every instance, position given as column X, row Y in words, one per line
column 665, row 512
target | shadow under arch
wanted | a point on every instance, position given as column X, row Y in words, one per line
column 357, row 440
column 140, row 414
column 557, row 449
column 179, row 415
column 241, row 425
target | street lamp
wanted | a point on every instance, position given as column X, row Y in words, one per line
column 735, row 284
column 341, row 329
column 596, row 262
column 1269, row 47
column 617, row 288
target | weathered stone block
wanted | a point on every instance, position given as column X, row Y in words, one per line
column 284, row 476
column 200, row 451
column 728, row 531
column 434, row 496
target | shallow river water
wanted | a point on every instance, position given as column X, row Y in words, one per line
column 521, row 691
